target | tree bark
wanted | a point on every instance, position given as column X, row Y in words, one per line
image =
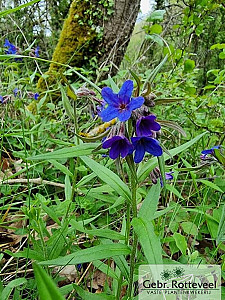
column 93, row 29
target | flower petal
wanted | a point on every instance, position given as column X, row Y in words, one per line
column 139, row 153
column 135, row 103
column 126, row 90
column 210, row 151
column 114, row 152
column 108, row 142
column 126, row 148
column 109, row 96
column 154, row 125
column 109, row 113
column 152, row 146
column 135, row 140
column 124, row 115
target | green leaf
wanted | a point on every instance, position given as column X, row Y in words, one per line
column 100, row 265
column 106, row 233
column 156, row 15
column 189, row 228
column 218, row 46
column 10, row 11
column 90, row 254
column 222, row 55
column 108, row 177
column 66, row 103
column 145, row 169
column 180, row 242
column 173, row 190
column 211, row 184
column 51, row 213
column 80, row 150
column 153, row 74
column 156, row 28
column 113, row 85
column 189, row 65
column 85, row 295
column 150, row 243
column 156, row 38
column 219, row 156
column 68, row 188
column 199, row 29
column 10, row 286
column 221, row 228
column 47, row 289
column 61, row 167
column 150, row 203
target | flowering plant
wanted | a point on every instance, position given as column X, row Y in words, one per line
column 126, row 108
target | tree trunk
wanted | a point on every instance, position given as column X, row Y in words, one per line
column 100, row 29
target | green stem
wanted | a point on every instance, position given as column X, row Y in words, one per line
column 135, row 238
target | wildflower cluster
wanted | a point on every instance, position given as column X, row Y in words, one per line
column 125, row 107
column 12, row 49
column 17, row 94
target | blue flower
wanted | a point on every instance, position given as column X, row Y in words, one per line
column 11, row 48
column 120, row 105
column 144, row 144
column 17, row 92
column 36, row 51
column 209, row 151
column 168, row 176
column 36, row 95
column 145, row 125
column 1, row 99
column 120, row 145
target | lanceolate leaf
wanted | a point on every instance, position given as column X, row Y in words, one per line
column 108, row 177
column 150, row 243
column 12, row 10
column 46, row 287
column 221, row 228
column 90, row 254
column 150, row 202
column 66, row 103
column 83, row 149
column 106, row 233
column 10, row 286
column 145, row 169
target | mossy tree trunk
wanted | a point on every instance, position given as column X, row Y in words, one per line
column 95, row 28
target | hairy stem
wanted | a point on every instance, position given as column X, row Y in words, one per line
column 135, row 238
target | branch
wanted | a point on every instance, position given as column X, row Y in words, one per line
column 34, row 180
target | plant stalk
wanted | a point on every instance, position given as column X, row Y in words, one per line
column 135, row 238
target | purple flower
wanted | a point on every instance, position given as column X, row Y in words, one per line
column 1, row 99
column 11, row 48
column 145, row 125
column 36, row 51
column 209, row 151
column 119, row 146
column 15, row 91
column 120, row 105
column 168, row 175
column 36, row 95
column 144, row 144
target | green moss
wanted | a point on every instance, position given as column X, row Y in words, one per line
column 78, row 40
